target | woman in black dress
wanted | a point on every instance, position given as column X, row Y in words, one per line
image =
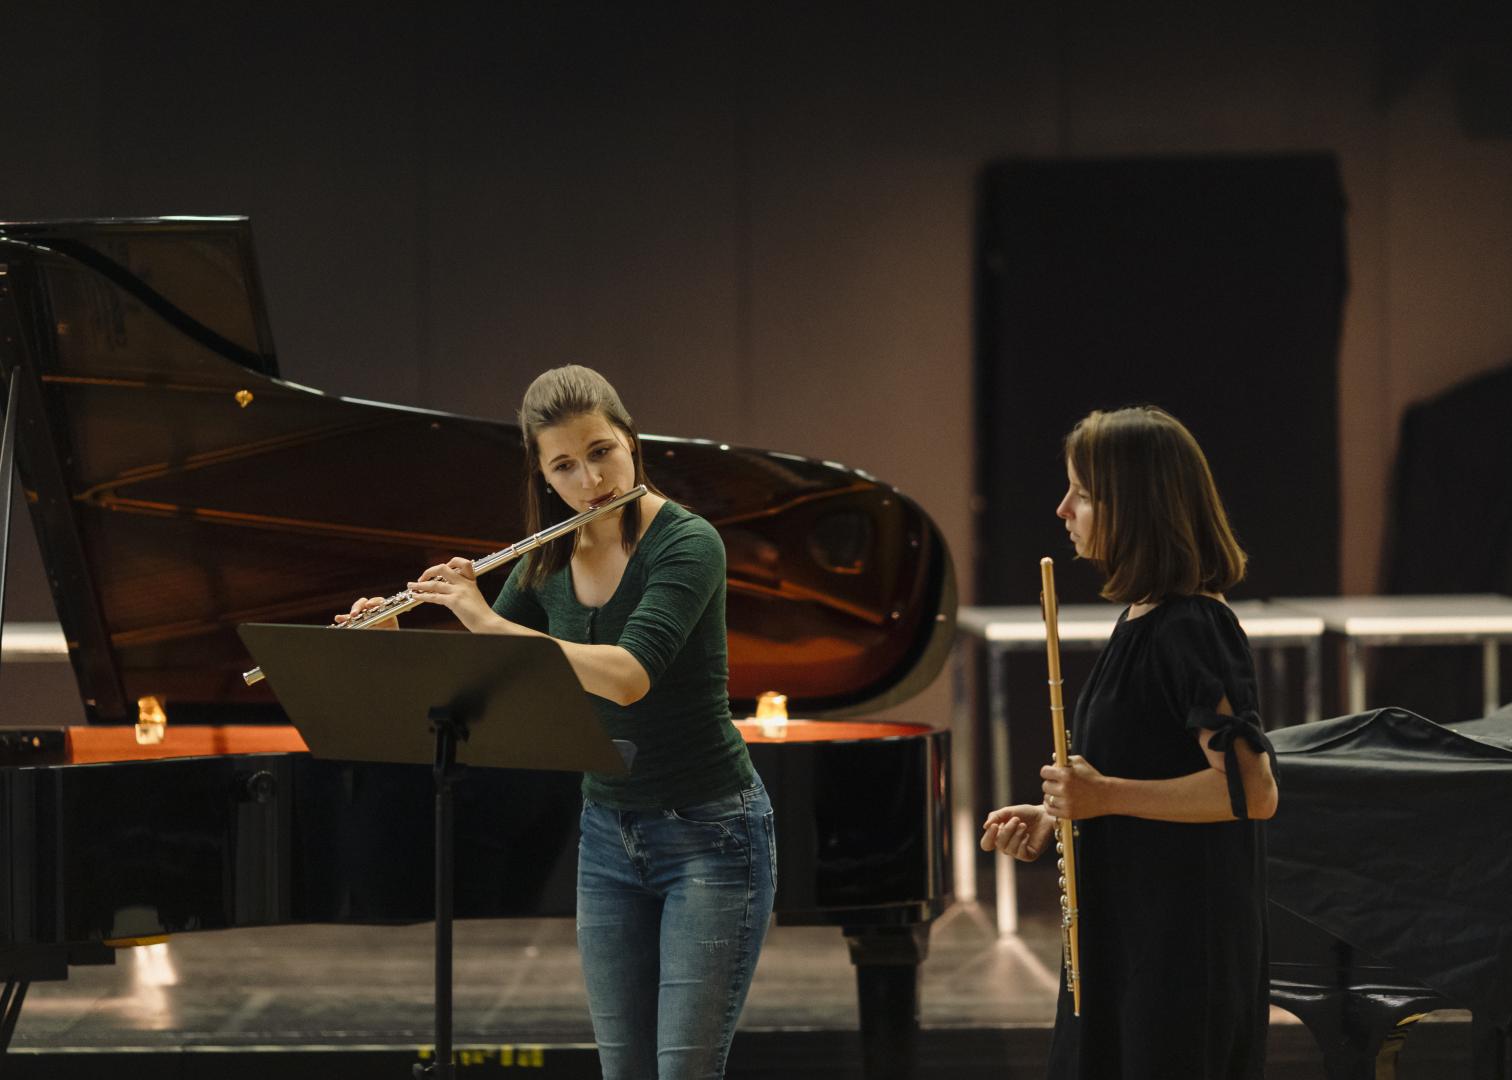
column 1169, row 776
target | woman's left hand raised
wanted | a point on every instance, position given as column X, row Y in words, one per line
column 1075, row 792
column 453, row 585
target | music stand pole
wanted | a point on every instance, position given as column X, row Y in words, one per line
column 489, row 701
column 7, row 471
column 449, row 730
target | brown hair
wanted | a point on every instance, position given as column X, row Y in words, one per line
column 556, row 396
column 1158, row 524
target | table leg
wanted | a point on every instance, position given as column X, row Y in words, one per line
column 1313, row 688
column 1356, row 661
column 1275, row 686
column 964, row 754
column 997, row 697
column 1491, row 675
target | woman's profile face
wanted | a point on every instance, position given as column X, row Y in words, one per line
column 1076, row 511
column 586, row 460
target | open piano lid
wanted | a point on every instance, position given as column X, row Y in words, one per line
column 180, row 488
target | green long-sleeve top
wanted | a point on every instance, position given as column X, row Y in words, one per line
column 669, row 613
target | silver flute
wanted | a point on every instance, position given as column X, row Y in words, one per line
column 403, row 601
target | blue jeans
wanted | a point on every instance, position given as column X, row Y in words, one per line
column 672, row 907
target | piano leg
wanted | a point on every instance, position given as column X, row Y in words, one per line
column 1491, row 1050
column 10, row 1010
column 887, row 960
column 1491, row 1053
column 1360, row 1034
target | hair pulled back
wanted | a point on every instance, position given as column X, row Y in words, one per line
column 556, row 396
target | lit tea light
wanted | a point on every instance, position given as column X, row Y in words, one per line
column 771, row 714
column 152, row 721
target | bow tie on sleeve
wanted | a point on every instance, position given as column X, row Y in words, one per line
column 1228, row 730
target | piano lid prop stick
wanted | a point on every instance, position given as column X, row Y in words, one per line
column 1065, row 830
column 403, row 601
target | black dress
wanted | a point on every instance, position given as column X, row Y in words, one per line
column 1172, row 916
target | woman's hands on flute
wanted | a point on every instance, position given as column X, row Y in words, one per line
column 606, row 670
column 449, row 583
column 1075, row 791
column 366, row 603
column 1078, row 791
column 453, row 585
column 1021, row 831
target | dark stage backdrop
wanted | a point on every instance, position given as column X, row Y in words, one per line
column 1212, row 287
column 1450, row 532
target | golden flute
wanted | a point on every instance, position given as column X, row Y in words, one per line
column 1065, row 830
column 403, row 601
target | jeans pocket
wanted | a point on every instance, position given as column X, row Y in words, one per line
column 720, row 811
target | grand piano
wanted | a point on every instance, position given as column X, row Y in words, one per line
column 179, row 488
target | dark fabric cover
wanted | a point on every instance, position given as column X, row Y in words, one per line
column 1172, row 915
column 1395, row 835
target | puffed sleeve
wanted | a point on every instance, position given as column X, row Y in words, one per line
column 520, row 605
column 680, row 582
column 1204, row 658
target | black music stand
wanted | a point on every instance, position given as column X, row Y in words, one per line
column 437, row 697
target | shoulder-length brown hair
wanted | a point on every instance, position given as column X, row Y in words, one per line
column 1158, row 525
column 556, row 396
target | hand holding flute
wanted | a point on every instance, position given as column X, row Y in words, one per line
column 454, row 583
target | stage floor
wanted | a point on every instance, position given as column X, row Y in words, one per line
column 516, row 981
column 341, row 992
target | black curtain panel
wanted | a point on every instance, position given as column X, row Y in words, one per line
column 1210, row 286
column 1450, row 532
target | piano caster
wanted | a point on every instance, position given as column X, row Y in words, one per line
column 259, row 787
column 1491, row 1050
